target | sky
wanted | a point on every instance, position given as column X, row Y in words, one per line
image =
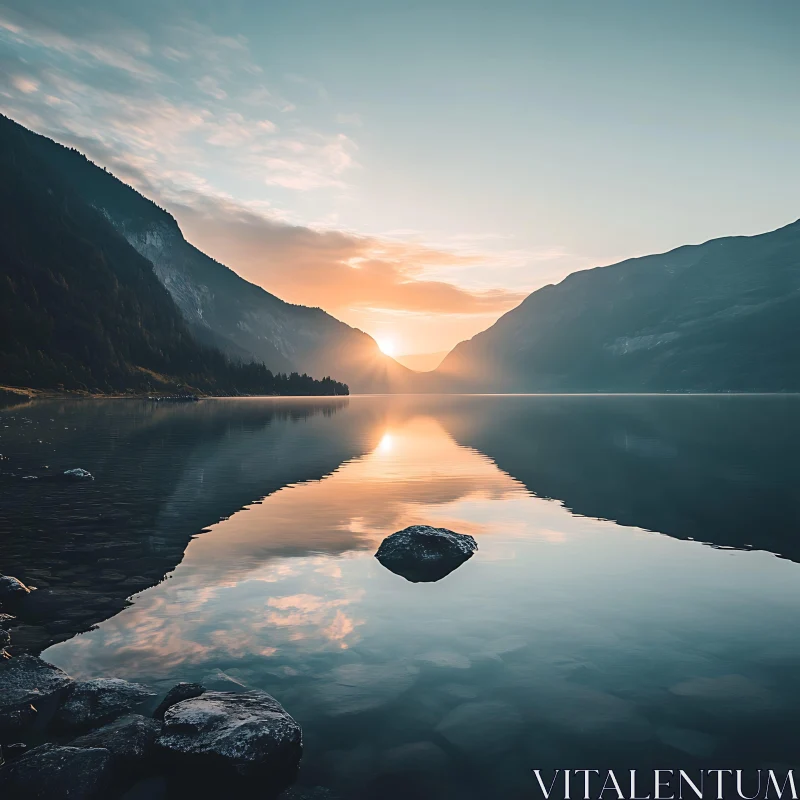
column 418, row 168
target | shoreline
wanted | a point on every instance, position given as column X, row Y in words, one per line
column 25, row 394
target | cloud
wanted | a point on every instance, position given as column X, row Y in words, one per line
column 317, row 162
column 126, row 50
column 188, row 117
column 210, row 86
column 334, row 268
column 24, row 85
column 165, row 101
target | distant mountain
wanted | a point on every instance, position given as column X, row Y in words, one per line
column 221, row 308
column 720, row 316
column 82, row 309
column 422, row 362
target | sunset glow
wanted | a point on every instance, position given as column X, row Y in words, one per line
column 428, row 374
column 387, row 346
column 287, row 164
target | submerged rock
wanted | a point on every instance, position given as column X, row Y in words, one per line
column 95, row 702
column 421, row 553
column 58, row 773
column 249, row 735
column 26, row 683
column 12, row 588
column 357, row 688
column 78, row 474
column 483, row 729
column 179, row 692
column 130, row 740
column 220, row 681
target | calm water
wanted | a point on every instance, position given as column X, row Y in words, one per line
column 626, row 608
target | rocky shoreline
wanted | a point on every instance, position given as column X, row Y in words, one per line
column 101, row 738
column 107, row 737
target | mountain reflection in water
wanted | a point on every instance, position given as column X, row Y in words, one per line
column 575, row 635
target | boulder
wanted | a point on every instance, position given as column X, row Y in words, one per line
column 12, row 589
column 26, row 684
column 50, row 772
column 248, row 735
column 421, row 553
column 17, row 721
column 130, row 740
column 91, row 703
column 181, row 691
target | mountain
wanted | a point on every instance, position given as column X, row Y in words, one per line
column 720, row 316
column 80, row 308
column 220, row 308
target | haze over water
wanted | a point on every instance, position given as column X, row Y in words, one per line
column 595, row 626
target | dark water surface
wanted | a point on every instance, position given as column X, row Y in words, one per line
column 626, row 608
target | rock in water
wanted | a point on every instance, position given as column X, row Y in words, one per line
column 95, row 702
column 78, row 475
column 248, row 734
column 58, row 773
column 26, row 684
column 181, row 691
column 11, row 588
column 421, row 553
column 130, row 740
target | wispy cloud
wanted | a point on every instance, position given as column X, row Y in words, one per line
column 162, row 99
column 190, row 118
column 334, row 268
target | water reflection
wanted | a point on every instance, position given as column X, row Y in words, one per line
column 163, row 472
column 575, row 637
column 223, row 601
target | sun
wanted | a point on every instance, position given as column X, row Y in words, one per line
column 387, row 346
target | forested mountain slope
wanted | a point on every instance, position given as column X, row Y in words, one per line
column 80, row 308
column 220, row 307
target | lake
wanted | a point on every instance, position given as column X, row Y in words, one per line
column 633, row 602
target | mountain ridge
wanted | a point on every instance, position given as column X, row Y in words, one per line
column 723, row 315
column 82, row 309
column 223, row 309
